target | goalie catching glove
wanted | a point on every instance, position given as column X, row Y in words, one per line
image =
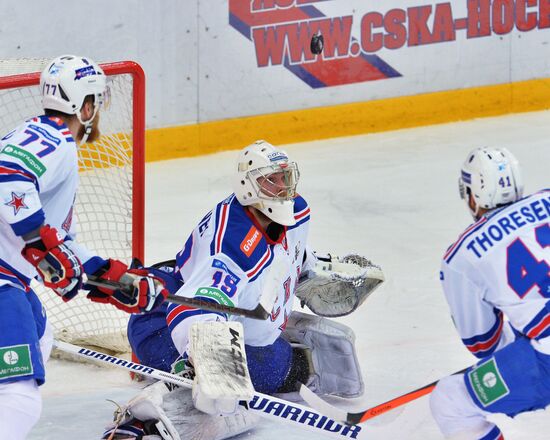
column 57, row 265
column 338, row 286
column 142, row 291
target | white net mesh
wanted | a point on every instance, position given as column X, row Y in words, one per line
column 103, row 209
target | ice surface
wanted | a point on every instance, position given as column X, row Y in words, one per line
column 392, row 197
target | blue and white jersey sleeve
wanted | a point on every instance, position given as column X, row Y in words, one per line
column 38, row 182
column 480, row 325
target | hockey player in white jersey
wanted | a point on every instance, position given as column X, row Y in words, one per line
column 496, row 279
column 38, row 185
column 256, row 239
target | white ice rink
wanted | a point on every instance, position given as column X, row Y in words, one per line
column 392, row 197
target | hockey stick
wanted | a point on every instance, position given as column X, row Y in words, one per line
column 262, row 404
column 353, row 418
column 262, row 311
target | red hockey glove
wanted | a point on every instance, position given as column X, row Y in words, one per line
column 142, row 292
column 57, row 265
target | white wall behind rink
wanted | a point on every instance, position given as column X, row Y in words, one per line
column 201, row 67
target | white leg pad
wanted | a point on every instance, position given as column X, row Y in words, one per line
column 457, row 416
column 332, row 346
column 218, row 355
column 191, row 423
column 20, row 408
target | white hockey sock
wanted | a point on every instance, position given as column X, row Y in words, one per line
column 20, row 408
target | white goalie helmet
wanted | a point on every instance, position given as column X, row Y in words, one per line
column 267, row 180
column 67, row 80
column 492, row 176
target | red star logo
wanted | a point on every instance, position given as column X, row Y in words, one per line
column 17, row 202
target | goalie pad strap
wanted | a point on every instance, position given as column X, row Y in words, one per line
column 300, row 371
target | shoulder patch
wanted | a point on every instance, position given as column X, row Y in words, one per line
column 250, row 241
column 30, row 160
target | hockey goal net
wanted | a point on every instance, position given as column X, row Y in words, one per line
column 109, row 207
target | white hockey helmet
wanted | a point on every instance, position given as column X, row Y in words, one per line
column 267, row 180
column 67, row 80
column 493, row 178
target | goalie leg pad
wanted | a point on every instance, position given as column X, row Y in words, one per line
column 332, row 345
column 191, row 423
column 217, row 352
column 144, row 417
column 159, row 414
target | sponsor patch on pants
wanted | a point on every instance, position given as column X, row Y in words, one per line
column 15, row 361
column 487, row 383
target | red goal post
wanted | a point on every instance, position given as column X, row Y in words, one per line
column 110, row 203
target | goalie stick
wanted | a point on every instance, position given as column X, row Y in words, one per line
column 353, row 418
column 270, row 407
column 262, row 311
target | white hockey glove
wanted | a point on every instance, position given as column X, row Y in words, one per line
column 334, row 367
column 338, row 286
column 216, row 350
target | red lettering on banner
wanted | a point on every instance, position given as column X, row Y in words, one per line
column 272, row 43
column 269, row 44
column 544, row 14
column 371, row 42
column 444, row 29
column 299, row 39
column 262, row 5
column 396, row 35
column 419, row 33
column 525, row 22
column 503, row 16
column 479, row 18
column 337, row 32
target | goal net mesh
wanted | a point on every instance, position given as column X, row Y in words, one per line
column 104, row 206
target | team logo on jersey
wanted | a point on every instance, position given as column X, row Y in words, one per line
column 29, row 159
column 17, row 202
column 15, row 361
column 487, row 383
column 251, row 241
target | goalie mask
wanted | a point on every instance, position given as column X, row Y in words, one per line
column 67, row 81
column 493, row 178
column 267, row 180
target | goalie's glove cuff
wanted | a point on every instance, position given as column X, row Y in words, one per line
column 142, row 292
column 57, row 265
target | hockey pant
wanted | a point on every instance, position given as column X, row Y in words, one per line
column 25, row 344
column 513, row 380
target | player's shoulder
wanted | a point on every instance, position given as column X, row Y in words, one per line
column 301, row 211
column 239, row 238
column 498, row 224
column 455, row 247
column 52, row 128
column 39, row 139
